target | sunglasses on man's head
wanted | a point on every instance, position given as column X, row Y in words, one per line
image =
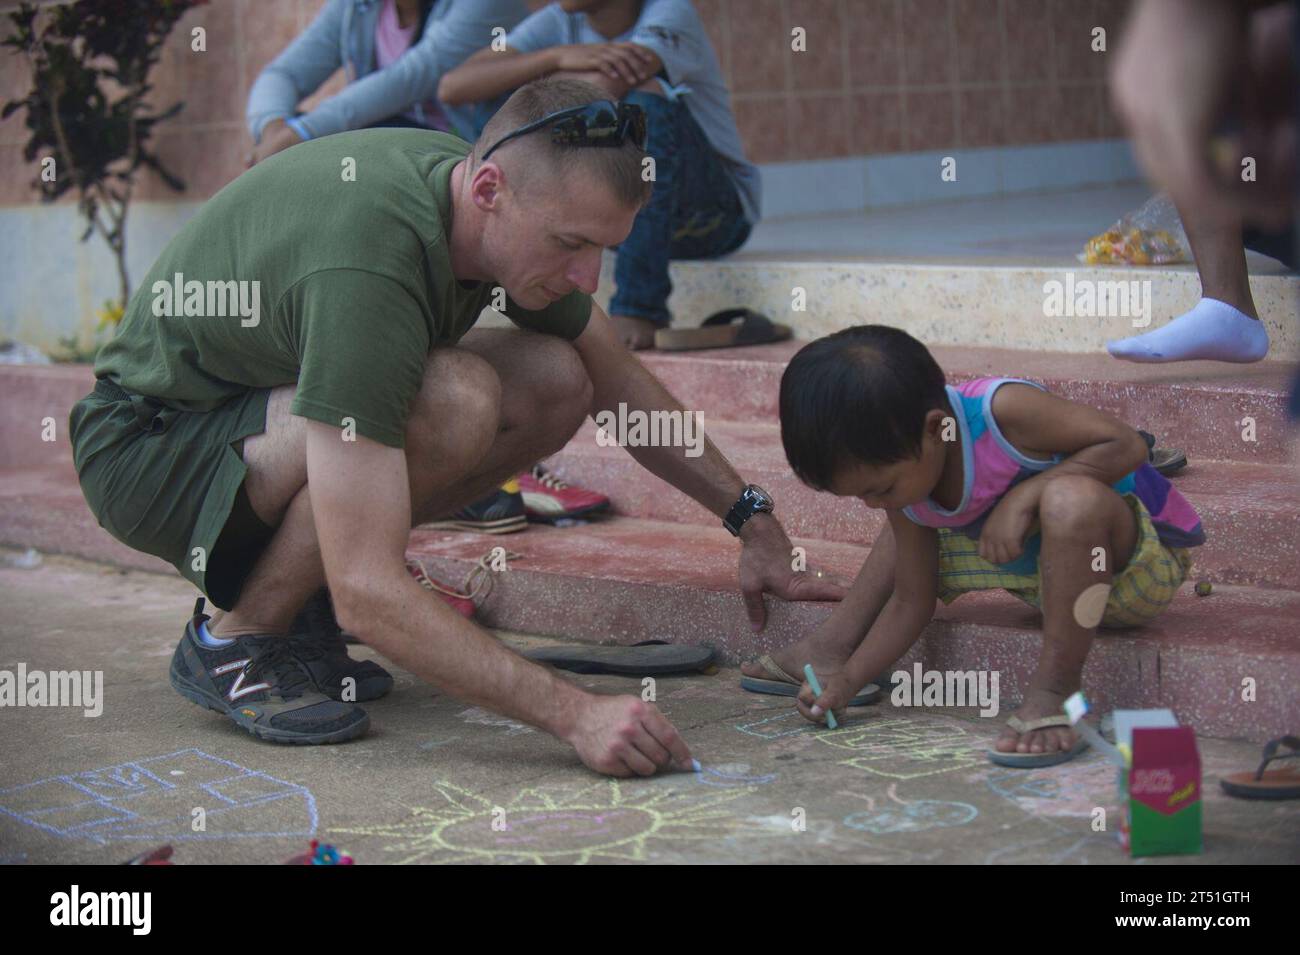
column 602, row 123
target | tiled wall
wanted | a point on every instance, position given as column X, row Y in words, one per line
column 878, row 76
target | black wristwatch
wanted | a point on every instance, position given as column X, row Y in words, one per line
column 752, row 500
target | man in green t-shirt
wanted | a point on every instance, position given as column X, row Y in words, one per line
column 296, row 384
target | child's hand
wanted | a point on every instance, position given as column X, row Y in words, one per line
column 837, row 690
column 1008, row 524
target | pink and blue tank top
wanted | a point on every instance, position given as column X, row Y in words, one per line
column 991, row 466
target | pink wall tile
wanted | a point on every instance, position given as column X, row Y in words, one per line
column 877, row 123
column 760, row 49
column 977, row 25
column 875, row 40
column 763, row 127
column 980, row 117
column 817, row 126
column 929, row 119
column 927, row 43
column 1028, row 40
column 821, row 65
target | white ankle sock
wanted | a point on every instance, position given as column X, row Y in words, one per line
column 1211, row 330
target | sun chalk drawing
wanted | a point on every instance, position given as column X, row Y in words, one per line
column 138, row 801
column 477, row 714
column 607, row 821
column 730, row 775
column 907, row 748
column 915, row 816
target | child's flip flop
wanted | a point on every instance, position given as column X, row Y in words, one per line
column 1266, row 783
column 783, row 684
column 1037, row 760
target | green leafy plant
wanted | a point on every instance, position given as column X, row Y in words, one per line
column 90, row 64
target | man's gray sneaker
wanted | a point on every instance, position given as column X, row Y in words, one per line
column 258, row 683
column 319, row 645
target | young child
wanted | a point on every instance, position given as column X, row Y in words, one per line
column 994, row 483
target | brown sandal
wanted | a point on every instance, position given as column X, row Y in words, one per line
column 1266, row 783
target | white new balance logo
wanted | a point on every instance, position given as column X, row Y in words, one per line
column 237, row 689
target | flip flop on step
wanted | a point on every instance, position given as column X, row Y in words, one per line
column 721, row 330
column 1266, row 783
column 651, row 658
column 783, row 684
column 1037, row 760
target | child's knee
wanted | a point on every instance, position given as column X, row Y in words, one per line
column 1072, row 502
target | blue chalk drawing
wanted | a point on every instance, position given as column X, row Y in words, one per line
column 152, row 800
column 730, row 775
column 916, row 816
column 762, row 730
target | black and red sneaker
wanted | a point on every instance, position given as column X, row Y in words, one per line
column 548, row 499
column 259, row 683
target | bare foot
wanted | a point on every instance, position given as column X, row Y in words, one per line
column 635, row 333
column 1037, row 704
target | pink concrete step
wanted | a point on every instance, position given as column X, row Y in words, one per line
column 28, row 395
column 1251, row 512
column 1197, row 406
column 627, row 580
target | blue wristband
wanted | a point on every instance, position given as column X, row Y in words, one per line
column 296, row 125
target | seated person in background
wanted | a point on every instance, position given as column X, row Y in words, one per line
column 991, row 484
column 657, row 55
column 394, row 51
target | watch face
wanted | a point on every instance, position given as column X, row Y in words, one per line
column 758, row 496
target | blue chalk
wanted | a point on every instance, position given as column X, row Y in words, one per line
column 817, row 688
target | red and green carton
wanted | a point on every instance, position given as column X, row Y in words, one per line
column 1160, row 789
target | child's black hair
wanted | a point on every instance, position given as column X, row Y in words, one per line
column 861, row 393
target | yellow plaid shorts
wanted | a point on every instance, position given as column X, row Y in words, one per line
column 1139, row 593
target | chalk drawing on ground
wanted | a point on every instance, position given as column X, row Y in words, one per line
column 916, row 815
column 476, row 714
column 786, row 723
column 1072, row 790
column 607, row 821
column 907, row 748
column 146, row 800
column 730, row 775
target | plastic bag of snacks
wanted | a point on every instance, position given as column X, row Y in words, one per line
column 1151, row 235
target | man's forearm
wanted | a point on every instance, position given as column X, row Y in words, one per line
column 483, row 77
column 707, row 478
column 417, row 631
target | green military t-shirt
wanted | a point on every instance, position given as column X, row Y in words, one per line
column 328, row 265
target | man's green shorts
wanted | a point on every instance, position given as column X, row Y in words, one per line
column 170, row 482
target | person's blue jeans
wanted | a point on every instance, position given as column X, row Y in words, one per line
column 693, row 213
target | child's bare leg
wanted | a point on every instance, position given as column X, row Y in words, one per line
column 830, row 645
column 1077, row 514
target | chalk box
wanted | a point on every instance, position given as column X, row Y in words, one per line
column 1160, row 790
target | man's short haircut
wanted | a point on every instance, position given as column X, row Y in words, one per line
column 861, row 393
column 534, row 159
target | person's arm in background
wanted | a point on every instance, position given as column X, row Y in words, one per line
column 296, row 73
column 536, row 48
column 416, row 75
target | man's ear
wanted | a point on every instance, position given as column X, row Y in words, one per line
column 486, row 185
